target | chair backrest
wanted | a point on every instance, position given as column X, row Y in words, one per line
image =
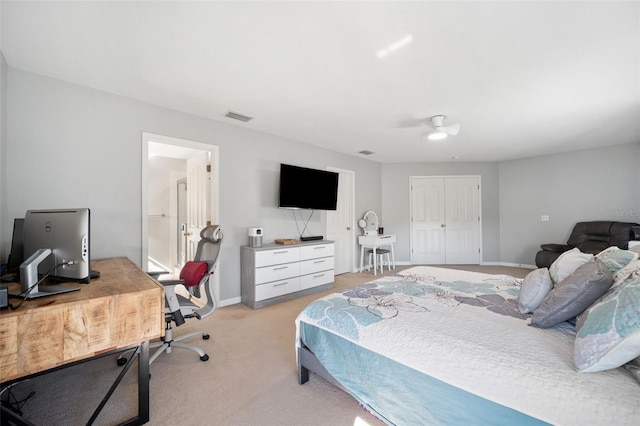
column 208, row 251
column 593, row 237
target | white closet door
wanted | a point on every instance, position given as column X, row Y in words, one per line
column 445, row 220
column 427, row 221
column 462, row 195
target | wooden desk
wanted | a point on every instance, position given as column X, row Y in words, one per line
column 121, row 309
column 374, row 242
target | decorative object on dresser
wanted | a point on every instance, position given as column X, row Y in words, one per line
column 588, row 237
column 273, row 273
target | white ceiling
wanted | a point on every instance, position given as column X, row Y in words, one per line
column 524, row 78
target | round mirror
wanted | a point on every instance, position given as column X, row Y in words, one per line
column 371, row 223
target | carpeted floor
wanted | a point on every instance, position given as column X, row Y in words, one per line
column 250, row 378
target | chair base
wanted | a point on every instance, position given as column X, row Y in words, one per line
column 167, row 343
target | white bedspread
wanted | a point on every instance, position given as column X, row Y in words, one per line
column 464, row 328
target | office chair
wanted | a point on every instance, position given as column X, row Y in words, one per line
column 198, row 301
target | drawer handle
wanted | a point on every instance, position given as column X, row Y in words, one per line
column 281, row 252
column 319, row 261
column 318, row 276
column 319, row 248
column 278, row 285
column 281, row 267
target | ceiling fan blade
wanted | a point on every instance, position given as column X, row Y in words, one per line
column 452, row 129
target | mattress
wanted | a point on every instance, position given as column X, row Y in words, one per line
column 440, row 346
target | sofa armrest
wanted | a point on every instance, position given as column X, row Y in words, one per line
column 557, row 248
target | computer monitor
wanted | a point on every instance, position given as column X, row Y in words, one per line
column 66, row 233
column 17, row 247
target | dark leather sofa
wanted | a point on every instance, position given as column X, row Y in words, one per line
column 588, row 237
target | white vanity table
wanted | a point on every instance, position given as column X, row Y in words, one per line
column 372, row 240
column 375, row 242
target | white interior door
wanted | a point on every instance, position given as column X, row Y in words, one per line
column 462, row 195
column 198, row 203
column 427, row 221
column 445, row 220
column 340, row 223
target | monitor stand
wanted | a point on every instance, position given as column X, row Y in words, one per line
column 29, row 287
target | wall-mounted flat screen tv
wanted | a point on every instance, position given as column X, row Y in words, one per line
column 304, row 188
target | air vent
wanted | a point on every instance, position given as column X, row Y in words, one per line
column 236, row 116
column 366, row 152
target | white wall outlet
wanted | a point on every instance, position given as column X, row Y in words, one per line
column 544, row 218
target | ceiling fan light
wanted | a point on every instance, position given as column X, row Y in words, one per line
column 437, row 135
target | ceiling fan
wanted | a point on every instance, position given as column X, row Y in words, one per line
column 440, row 131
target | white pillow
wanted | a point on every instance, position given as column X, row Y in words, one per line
column 567, row 263
column 534, row 288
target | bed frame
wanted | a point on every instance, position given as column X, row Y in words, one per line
column 307, row 362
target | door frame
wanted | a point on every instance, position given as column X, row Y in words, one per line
column 411, row 178
column 215, row 175
column 352, row 220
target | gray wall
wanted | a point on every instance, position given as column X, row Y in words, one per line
column 3, row 151
column 595, row 184
column 72, row 146
column 395, row 202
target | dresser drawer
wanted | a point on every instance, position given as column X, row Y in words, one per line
column 312, row 252
column 316, row 265
column 276, row 257
column 277, row 272
column 314, row 280
column 277, row 288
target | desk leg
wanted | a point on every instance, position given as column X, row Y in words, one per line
column 361, row 258
column 393, row 258
column 143, row 383
column 375, row 261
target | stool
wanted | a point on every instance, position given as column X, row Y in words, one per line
column 381, row 253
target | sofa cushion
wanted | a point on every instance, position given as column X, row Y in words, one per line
column 566, row 263
column 608, row 333
column 534, row 288
column 574, row 294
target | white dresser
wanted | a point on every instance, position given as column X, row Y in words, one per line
column 274, row 273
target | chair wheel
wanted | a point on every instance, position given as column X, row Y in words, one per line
column 121, row 361
column 204, row 357
column 205, row 336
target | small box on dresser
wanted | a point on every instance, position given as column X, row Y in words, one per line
column 274, row 273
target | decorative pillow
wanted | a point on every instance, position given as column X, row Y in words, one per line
column 566, row 263
column 573, row 295
column 629, row 271
column 534, row 288
column 616, row 258
column 608, row 333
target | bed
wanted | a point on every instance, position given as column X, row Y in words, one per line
column 440, row 346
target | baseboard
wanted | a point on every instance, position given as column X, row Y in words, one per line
column 229, row 302
column 514, row 265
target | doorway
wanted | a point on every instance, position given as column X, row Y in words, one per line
column 170, row 184
column 445, row 220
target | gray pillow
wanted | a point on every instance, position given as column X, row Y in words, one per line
column 574, row 294
column 534, row 288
